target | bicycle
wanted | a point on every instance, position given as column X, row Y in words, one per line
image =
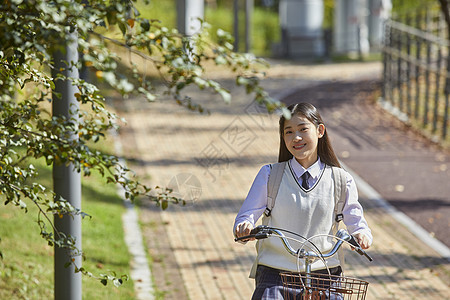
column 309, row 285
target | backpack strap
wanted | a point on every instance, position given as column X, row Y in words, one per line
column 273, row 185
column 340, row 193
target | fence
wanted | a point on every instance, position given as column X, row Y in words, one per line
column 416, row 78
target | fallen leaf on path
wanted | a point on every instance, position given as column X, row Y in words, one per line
column 399, row 188
column 345, row 154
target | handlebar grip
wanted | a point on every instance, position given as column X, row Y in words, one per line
column 262, row 235
column 243, row 238
column 258, row 236
column 255, row 233
column 358, row 248
column 255, row 230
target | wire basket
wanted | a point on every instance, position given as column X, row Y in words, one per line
column 322, row 286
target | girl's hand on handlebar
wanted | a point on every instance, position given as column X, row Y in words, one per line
column 244, row 229
column 362, row 240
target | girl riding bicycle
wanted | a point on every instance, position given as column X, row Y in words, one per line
column 305, row 202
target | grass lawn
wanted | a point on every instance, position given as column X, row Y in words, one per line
column 26, row 271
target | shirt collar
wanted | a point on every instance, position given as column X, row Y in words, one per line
column 313, row 170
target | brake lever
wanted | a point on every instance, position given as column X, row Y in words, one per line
column 358, row 248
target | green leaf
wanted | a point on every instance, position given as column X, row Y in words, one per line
column 123, row 28
column 164, row 204
column 118, row 282
column 226, row 96
column 241, row 80
column 22, row 205
column 286, row 113
column 145, row 25
column 220, row 60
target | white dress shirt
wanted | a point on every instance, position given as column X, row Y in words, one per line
column 256, row 200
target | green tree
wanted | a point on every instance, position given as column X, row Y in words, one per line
column 31, row 31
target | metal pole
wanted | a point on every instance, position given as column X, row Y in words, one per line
column 248, row 24
column 384, row 52
column 181, row 16
column 445, row 122
column 427, row 71
column 236, row 25
column 418, row 69
column 400, row 70
column 408, row 69
column 446, row 92
column 66, row 180
column 390, row 46
column 392, row 78
column 427, row 83
column 437, row 90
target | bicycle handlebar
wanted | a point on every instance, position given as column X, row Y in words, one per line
column 262, row 232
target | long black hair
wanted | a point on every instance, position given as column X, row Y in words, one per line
column 324, row 149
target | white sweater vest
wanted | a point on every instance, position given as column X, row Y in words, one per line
column 307, row 213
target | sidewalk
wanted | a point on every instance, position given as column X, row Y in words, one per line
column 212, row 160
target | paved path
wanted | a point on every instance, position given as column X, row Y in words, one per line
column 211, row 161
